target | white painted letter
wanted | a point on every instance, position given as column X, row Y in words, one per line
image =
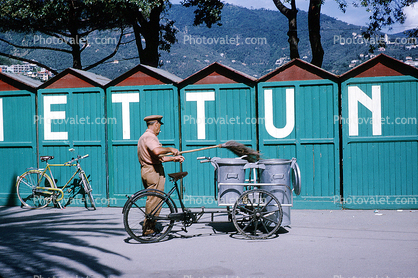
column 125, row 99
column 200, row 99
column 290, row 114
column 373, row 104
column 53, row 115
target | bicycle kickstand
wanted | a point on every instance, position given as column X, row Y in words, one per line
column 55, row 202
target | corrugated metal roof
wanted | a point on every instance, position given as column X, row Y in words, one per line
column 26, row 80
column 92, row 76
column 315, row 70
column 160, row 74
column 238, row 72
column 164, row 73
column 384, row 66
column 245, row 78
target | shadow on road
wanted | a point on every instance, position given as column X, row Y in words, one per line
column 50, row 242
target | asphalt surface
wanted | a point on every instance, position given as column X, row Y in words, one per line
column 76, row 243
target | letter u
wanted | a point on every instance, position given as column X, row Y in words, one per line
column 290, row 114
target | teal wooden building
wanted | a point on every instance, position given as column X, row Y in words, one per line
column 71, row 109
column 18, row 131
column 217, row 105
column 297, row 104
column 140, row 92
column 380, row 135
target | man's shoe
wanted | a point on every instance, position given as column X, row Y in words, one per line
column 148, row 232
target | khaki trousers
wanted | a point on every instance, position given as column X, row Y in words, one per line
column 153, row 177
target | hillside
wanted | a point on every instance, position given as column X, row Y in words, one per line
column 251, row 41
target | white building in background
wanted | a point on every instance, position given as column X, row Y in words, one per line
column 27, row 69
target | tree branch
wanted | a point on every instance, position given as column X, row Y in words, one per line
column 282, row 8
column 35, row 47
column 107, row 57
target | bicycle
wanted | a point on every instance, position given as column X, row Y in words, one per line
column 257, row 214
column 36, row 189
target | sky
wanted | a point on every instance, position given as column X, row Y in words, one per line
column 357, row 16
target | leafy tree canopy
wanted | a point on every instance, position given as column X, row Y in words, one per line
column 66, row 20
column 72, row 20
column 383, row 13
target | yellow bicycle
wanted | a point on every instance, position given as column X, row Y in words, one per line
column 36, row 189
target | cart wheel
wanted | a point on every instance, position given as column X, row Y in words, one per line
column 257, row 214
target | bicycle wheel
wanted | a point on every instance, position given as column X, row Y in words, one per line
column 89, row 200
column 32, row 189
column 136, row 219
column 257, row 214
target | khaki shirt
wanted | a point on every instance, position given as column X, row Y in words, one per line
column 146, row 143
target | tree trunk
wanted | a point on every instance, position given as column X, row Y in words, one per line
column 76, row 53
column 74, row 40
column 293, row 34
column 149, row 30
column 314, row 16
column 150, row 55
column 138, row 37
column 293, row 28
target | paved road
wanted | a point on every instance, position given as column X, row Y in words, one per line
column 76, row 243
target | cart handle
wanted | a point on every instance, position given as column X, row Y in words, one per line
column 206, row 159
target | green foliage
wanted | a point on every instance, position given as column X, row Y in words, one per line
column 5, row 61
column 67, row 22
column 383, row 13
column 207, row 12
column 58, row 17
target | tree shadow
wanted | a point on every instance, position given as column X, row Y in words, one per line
column 53, row 242
column 11, row 199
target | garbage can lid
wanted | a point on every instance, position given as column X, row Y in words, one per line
column 275, row 161
column 231, row 161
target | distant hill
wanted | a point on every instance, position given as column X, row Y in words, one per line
column 253, row 41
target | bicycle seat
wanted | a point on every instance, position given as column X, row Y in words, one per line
column 177, row 176
column 46, row 158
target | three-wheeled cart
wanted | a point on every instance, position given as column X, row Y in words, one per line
column 260, row 195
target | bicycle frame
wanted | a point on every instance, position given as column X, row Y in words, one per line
column 176, row 189
column 185, row 215
column 34, row 194
column 56, row 188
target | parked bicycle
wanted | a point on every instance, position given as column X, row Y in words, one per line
column 36, row 189
column 256, row 214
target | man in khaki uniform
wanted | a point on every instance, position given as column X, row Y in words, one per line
column 152, row 170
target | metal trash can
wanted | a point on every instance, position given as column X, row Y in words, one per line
column 278, row 171
column 229, row 170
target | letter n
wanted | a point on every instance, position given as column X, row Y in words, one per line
column 355, row 95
